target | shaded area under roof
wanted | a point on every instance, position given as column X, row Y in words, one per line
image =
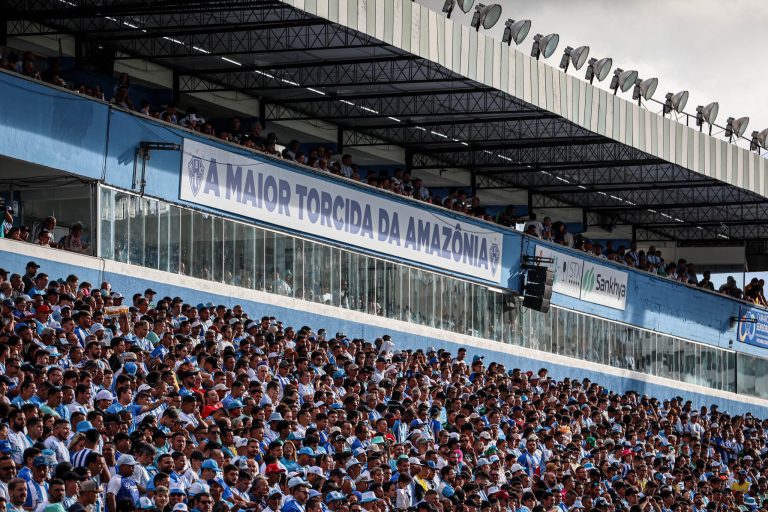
column 305, row 67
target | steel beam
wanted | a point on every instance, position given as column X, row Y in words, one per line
column 294, row 39
column 590, row 155
column 379, row 71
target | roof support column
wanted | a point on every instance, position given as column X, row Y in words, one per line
column 176, row 87
column 340, row 140
column 530, row 201
column 408, row 160
column 262, row 112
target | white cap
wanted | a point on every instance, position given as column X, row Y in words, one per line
column 96, row 328
column 296, row 481
column 180, row 507
column 104, row 394
column 144, row 387
column 126, row 460
column 516, row 467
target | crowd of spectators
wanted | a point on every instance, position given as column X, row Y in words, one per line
column 118, row 404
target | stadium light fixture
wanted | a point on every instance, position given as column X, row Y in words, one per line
column 544, row 45
column 464, row 5
column 486, row 16
column 598, row 69
column 516, row 31
column 759, row 140
column 676, row 102
column 707, row 115
column 577, row 57
column 644, row 89
column 622, row 80
column 736, row 127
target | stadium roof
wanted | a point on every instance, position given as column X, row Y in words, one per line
column 394, row 72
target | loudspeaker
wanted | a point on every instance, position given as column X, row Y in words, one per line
column 539, row 274
column 537, row 291
column 537, row 303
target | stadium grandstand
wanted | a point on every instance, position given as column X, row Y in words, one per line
column 351, row 255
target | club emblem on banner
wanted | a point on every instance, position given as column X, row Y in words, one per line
column 495, row 257
column 196, row 174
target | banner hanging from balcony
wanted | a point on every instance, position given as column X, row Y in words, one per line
column 753, row 326
column 586, row 280
column 268, row 192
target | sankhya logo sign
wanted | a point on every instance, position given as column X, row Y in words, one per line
column 588, row 280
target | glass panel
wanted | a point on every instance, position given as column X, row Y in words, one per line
column 259, row 266
column 163, row 235
column 122, row 234
column 245, row 270
column 233, row 253
column 746, row 374
column 361, row 295
column 175, row 240
column 427, row 307
column 269, row 262
column 298, row 269
column 283, row 273
column 151, row 233
column 349, row 284
column 106, row 237
column 135, row 231
column 186, row 237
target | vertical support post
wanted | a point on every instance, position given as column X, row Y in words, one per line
column 473, row 181
column 340, row 140
column 530, row 201
column 176, row 87
column 408, row 160
column 263, row 113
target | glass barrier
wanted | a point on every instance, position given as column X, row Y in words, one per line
column 151, row 233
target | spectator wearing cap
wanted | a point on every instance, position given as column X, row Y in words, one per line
column 122, row 486
column 299, row 489
column 37, row 486
column 28, row 279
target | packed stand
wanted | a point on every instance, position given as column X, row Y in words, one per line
column 112, row 404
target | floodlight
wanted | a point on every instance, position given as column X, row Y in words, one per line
column 516, row 31
column 736, row 127
column 544, row 45
column 675, row 102
column 464, row 5
column 707, row 114
column 644, row 89
column 598, row 69
column 485, row 15
column 623, row 80
column 759, row 140
column 577, row 57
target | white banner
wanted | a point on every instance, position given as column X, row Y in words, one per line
column 586, row 280
column 271, row 193
column 567, row 271
column 604, row 285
